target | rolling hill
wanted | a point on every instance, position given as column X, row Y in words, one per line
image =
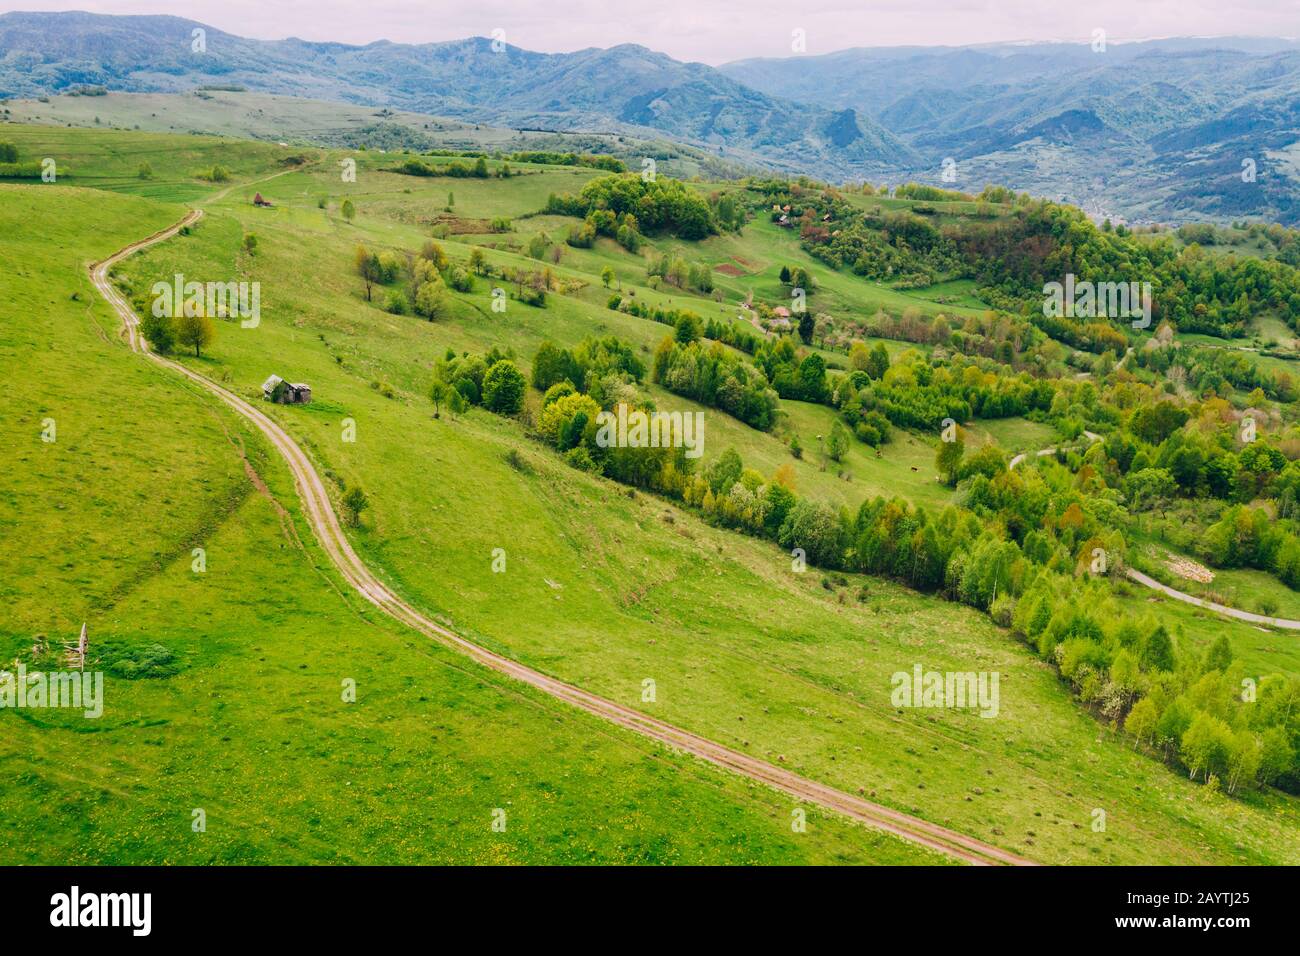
column 626, row 88
column 1143, row 131
column 606, row 585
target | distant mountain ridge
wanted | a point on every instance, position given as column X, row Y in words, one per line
column 626, row 86
column 1155, row 129
column 1160, row 129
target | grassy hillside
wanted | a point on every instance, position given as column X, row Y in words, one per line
column 224, row 688
column 300, row 121
column 605, row 588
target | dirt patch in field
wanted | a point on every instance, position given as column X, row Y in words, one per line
column 1186, row 568
column 727, row 269
column 458, row 226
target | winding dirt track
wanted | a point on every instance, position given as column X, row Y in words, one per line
column 325, row 524
column 1247, row 616
column 1044, row 452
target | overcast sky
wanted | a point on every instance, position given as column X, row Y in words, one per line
column 714, row 31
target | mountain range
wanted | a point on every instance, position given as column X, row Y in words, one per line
column 1164, row 130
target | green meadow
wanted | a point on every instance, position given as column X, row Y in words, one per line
column 602, row 587
column 224, row 689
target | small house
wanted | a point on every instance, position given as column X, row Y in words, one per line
column 259, row 201
column 275, row 389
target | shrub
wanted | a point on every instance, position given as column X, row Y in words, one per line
column 503, row 388
column 139, row 662
column 396, row 303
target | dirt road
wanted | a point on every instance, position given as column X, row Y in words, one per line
column 1223, row 609
column 325, row 524
column 1044, row 452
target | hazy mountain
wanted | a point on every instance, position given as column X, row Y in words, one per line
column 1158, row 129
column 625, row 87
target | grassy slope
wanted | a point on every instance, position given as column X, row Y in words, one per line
column 606, row 590
column 99, row 526
column 272, row 117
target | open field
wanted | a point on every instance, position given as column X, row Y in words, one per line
column 242, row 715
column 602, row 588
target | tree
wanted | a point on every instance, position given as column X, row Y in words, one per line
column 1205, row 745
column 552, row 365
column 688, row 328
column 1148, row 487
column 349, row 210
column 354, row 503
column 838, row 442
column 1276, row 754
column 878, row 362
column 160, row 332
column 607, row 276
column 503, row 388
column 948, row 458
column 1219, row 656
column 8, row 153
column 431, row 299
column 814, row 528
column 1141, row 720
column 1243, row 759
column 440, row 392
column 724, row 471
column 811, row 378
column 1154, row 423
column 785, row 275
column 477, row 260
column 1158, row 650
column 556, row 424
column 806, row 327
column 195, row 330
column 679, row 273
column 367, row 266
column 433, row 253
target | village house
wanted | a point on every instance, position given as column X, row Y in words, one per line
column 275, row 389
